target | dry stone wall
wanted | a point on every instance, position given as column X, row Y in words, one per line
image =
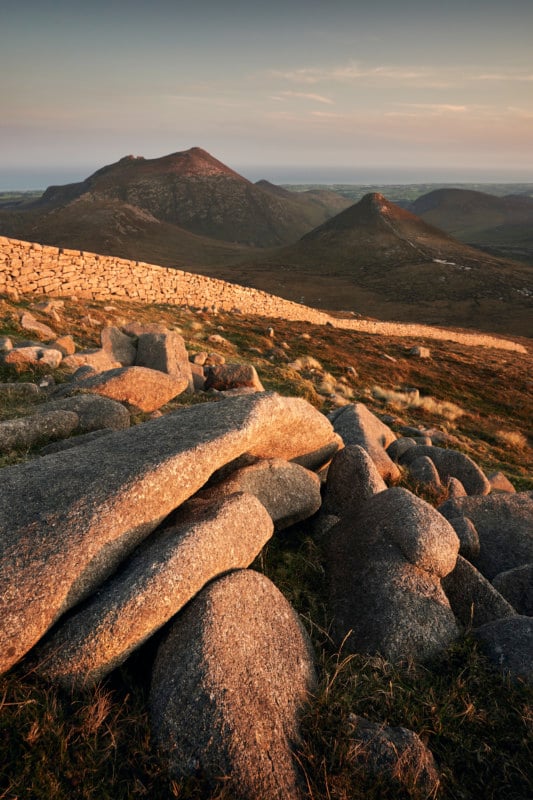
column 28, row 267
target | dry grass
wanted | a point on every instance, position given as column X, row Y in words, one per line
column 412, row 399
column 513, row 439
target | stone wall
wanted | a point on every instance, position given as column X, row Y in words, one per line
column 28, row 267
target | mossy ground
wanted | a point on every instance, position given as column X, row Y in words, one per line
column 477, row 724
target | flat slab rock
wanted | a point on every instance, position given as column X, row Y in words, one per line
column 168, row 569
column 67, row 520
column 229, row 685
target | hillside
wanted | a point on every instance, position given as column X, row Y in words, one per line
column 379, row 259
column 189, row 189
column 96, row 742
column 503, row 225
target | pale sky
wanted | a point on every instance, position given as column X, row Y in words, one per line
column 292, row 90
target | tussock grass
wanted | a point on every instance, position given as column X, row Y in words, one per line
column 399, row 400
column 513, row 439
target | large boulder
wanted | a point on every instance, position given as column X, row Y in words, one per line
column 29, row 431
column 352, row 479
column 290, row 493
column 229, row 685
column 451, row 464
column 473, row 599
column 508, row 644
column 140, row 388
column 516, row 585
column 166, row 352
column 100, row 360
column 67, row 520
column 357, row 425
column 503, row 524
column 205, row 540
column 384, row 569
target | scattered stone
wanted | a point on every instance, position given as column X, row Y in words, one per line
column 99, row 360
column 74, row 441
column 118, row 346
column 394, row 756
column 22, row 390
column 508, row 644
column 216, row 338
column 26, row 432
column 213, row 359
column 68, row 520
column 270, row 333
column 166, row 571
column 290, row 493
column 357, row 425
column 420, row 352
column 5, row 344
column 50, row 307
column 383, row 571
column 352, row 479
column 232, row 376
column 29, row 323
column 516, row 585
column 451, row 463
column 199, row 358
column 229, row 685
column 94, row 412
column 65, row 344
column 22, row 357
column 141, row 388
column 503, row 523
column 423, row 470
column 499, row 483
column 467, row 535
column 165, row 352
column 473, row 599
column 198, row 377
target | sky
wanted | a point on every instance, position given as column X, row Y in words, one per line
column 297, row 91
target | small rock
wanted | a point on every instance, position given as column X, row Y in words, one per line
column 216, row 338
column 23, row 357
column 65, row 344
column 29, row 323
column 499, row 483
column 357, row 425
column 5, row 344
column 467, row 535
column 395, row 756
column 232, row 376
column 420, row 352
column 94, row 412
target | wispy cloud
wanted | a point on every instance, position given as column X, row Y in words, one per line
column 354, row 72
column 317, row 98
column 522, row 77
column 431, row 108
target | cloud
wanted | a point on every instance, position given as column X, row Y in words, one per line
column 317, row 98
column 503, row 76
column 353, row 72
column 430, row 108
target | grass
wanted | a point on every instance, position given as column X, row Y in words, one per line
column 97, row 744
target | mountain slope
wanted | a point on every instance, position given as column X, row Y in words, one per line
column 501, row 224
column 195, row 191
column 381, row 259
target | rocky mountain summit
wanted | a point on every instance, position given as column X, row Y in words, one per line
column 136, row 525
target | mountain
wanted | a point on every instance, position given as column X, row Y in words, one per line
column 198, row 193
column 385, row 261
column 503, row 225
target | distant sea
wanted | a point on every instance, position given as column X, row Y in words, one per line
column 12, row 178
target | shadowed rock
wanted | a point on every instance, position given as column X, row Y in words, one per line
column 290, row 493
column 503, row 523
column 28, row 431
column 229, row 685
column 94, row 412
column 508, row 644
column 166, row 571
column 232, row 376
column 68, row 520
column 74, row 441
column 357, row 425
column 393, row 756
column 468, row 537
column 516, row 585
column 352, row 479
column 19, row 390
column 383, row 574
column 423, row 470
column 473, row 599
column 451, row 463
